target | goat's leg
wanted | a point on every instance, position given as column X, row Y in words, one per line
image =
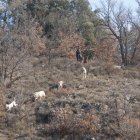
column 85, row 75
column 9, row 108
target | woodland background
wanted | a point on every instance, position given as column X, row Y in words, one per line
column 38, row 40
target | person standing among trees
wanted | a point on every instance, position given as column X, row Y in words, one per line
column 78, row 54
column 85, row 53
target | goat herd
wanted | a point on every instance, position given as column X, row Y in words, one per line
column 41, row 94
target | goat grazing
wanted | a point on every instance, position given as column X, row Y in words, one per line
column 119, row 66
column 84, row 72
column 39, row 95
column 11, row 105
column 60, row 84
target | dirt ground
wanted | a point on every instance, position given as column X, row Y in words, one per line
column 105, row 105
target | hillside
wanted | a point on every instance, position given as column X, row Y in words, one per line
column 105, row 105
column 40, row 43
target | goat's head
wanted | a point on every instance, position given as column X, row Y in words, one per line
column 7, row 105
column 14, row 103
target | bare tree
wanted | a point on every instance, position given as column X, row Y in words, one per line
column 12, row 57
column 116, row 20
column 134, row 38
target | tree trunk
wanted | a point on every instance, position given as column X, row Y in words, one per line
column 133, row 54
column 126, row 54
column 49, row 56
column 122, row 53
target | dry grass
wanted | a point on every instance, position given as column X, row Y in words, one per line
column 84, row 107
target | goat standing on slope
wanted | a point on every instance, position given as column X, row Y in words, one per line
column 117, row 67
column 11, row 105
column 60, row 84
column 84, row 72
column 39, row 95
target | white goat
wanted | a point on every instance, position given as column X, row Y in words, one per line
column 92, row 138
column 11, row 105
column 39, row 95
column 84, row 72
column 60, row 84
column 117, row 67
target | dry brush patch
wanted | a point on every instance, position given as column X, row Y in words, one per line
column 69, row 122
column 2, row 107
column 73, row 118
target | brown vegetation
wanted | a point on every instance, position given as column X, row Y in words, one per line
column 38, row 49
